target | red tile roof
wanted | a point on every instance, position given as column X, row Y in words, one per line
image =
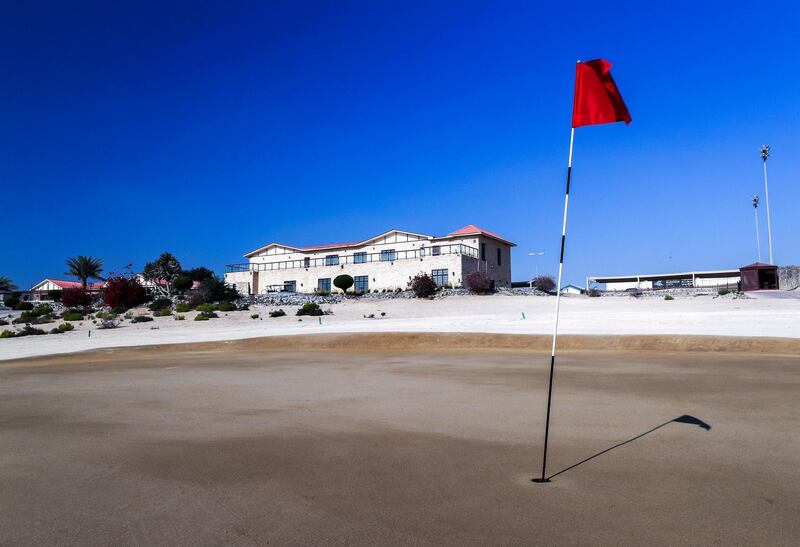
column 471, row 229
column 76, row 284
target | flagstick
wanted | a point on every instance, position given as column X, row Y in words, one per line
column 558, row 306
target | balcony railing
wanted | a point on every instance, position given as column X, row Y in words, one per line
column 355, row 258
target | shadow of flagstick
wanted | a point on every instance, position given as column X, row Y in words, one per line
column 685, row 419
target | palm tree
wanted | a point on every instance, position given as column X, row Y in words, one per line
column 6, row 284
column 84, row 267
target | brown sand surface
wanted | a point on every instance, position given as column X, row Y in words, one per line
column 400, row 439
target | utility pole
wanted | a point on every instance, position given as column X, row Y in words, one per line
column 765, row 156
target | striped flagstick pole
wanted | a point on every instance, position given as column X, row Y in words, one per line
column 558, row 306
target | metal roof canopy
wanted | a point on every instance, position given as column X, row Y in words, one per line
column 654, row 277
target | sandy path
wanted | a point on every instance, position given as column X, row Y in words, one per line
column 703, row 315
column 251, row 443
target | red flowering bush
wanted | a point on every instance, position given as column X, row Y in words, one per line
column 422, row 285
column 76, row 298
column 124, row 292
column 478, row 282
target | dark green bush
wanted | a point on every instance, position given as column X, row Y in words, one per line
column 163, row 312
column 3, row 322
column 7, row 334
column 182, row 283
column 668, row 297
column 160, row 304
column 72, row 315
column 205, row 316
column 343, row 282
column 182, row 307
column 28, row 330
column 11, row 302
column 277, row 313
column 41, row 309
column 254, row 316
column 226, row 306
column 310, row 308
column 64, row 327
column 141, row 319
column 205, row 307
column 212, row 289
column 24, row 306
column 106, row 315
column 723, row 292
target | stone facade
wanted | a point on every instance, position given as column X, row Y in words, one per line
column 385, row 262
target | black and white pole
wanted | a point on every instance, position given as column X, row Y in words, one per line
column 765, row 156
column 558, row 307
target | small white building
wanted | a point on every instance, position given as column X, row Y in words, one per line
column 387, row 261
column 41, row 291
column 572, row 289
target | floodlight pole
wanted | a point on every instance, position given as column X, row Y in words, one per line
column 537, row 263
column 758, row 238
column 765, row 156
column 558, row 307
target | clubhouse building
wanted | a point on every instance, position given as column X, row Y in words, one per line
column 385, row 262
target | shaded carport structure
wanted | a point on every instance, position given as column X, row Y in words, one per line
column 705, row 278
column 759, row 276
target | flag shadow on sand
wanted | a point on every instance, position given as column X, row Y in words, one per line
column 685, row 419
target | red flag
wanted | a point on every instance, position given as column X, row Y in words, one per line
column 597, row 99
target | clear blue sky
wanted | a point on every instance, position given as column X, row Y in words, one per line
column 208, row 129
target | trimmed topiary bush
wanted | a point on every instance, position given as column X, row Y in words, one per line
column 343, row 282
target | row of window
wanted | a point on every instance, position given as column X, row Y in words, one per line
column 387, row 255
column 361, row 282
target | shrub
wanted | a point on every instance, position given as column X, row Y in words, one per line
column 668, row 297
column 544, row 283
column 478, row 282
column 25, row 306
column 54, row 295
column 226, row 306
column 108, row 324
column 594, row 293
column 128, row 315
column 160, row 304
column 7, row 334
column 182, row 283
column 422, row 285
column 124, row 293
column 65, row 327
column 75, row 298
column 11, row 302
column 636, row 293
column 254, row 316
column 3, row 322
column 277, row 313
column 212, row 289
column 106, row 315
column 41, row 309
column 310, row 308
column 43, row 319
column 141, row 319
column 72, row 315
column 343, row 282
column 182, row 307
column 180, row 317
column 205, row 308
column 30, row 331
column 723, row 292
column 163, row 312
column 205, row 316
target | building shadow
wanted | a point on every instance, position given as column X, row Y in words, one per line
column 685, row 419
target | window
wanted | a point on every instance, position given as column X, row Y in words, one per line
column 359, row 258
column 499, row 257
column 483, row 251
column 290, row 286
column 332, row 260
column 324, row 284
column 306, row 262
column 436, row 250
column 361, row 284
column 440, row 277
column 388, row 255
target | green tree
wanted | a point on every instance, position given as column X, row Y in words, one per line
column 182, row 283
column 162, row 273
column 6, row 285
column 84, row 268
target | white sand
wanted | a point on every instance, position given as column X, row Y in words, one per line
column 701, row 315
